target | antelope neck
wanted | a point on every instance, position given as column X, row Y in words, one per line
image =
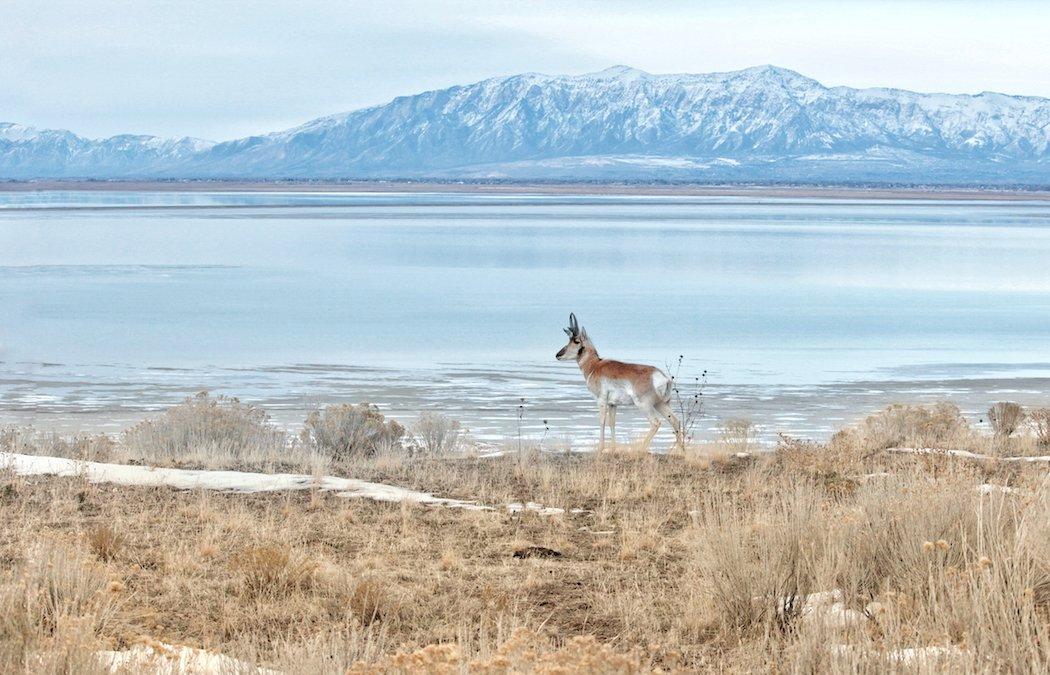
column 588, row 359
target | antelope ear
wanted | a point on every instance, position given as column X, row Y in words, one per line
column 567, row 332
column 583, row 334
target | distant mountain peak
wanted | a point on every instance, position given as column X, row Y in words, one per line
column 10, row 131
column 770, row 69
column 764, row 123
column 775, row 75
column 619, row 72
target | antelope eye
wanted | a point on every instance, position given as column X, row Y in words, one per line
column 575, row 341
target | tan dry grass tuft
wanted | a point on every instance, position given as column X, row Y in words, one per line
column 370, row 600
column 274, row 571
column 53, row 611
column 105, row 542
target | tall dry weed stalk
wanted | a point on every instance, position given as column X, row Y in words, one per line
column 687, row 398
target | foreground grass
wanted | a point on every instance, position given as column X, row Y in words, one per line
column 680, row 564
column 695, row 563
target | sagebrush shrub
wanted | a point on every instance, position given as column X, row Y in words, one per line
column 206, row 428
column 738, row 434
column 1040, row 421
column 436, row 434
column 1005, row 417
column 346, row 430
column 937, row 426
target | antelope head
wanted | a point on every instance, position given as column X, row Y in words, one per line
column 577, row 340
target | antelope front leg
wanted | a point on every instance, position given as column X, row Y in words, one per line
column 602, row 413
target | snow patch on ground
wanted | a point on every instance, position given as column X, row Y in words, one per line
column 158, row 658
column 223, row 481
column 827, row 608
column 239, row 482
column 917, row 657
column 966, row 454
column 992, row 489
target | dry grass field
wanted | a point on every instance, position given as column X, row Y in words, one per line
column 837, row 557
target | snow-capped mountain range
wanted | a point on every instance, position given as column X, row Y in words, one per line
column 760, row 124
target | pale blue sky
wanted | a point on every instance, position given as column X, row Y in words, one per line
column 226, row 68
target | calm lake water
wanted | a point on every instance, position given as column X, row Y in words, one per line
column 805, row 314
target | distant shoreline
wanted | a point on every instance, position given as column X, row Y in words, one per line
column 553, row 188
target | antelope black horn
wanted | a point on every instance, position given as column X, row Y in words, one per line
column 572, row 323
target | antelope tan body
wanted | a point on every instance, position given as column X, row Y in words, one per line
column 615, row 384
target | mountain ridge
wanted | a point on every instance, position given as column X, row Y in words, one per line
column 763, row 123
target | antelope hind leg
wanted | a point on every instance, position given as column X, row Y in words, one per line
column 602, row 416
column 679, row 435
column 654, row 426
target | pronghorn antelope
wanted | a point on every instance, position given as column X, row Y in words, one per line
column 615, row 383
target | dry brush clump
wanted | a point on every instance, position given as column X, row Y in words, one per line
column 738, row 435
column 207, row 430
column 941, row 425
column 29, row 441
column 907, row 562
column 105, row 541
column 437, row 434
column 1039, row 419
column 1005, row 417
column 349, row 431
